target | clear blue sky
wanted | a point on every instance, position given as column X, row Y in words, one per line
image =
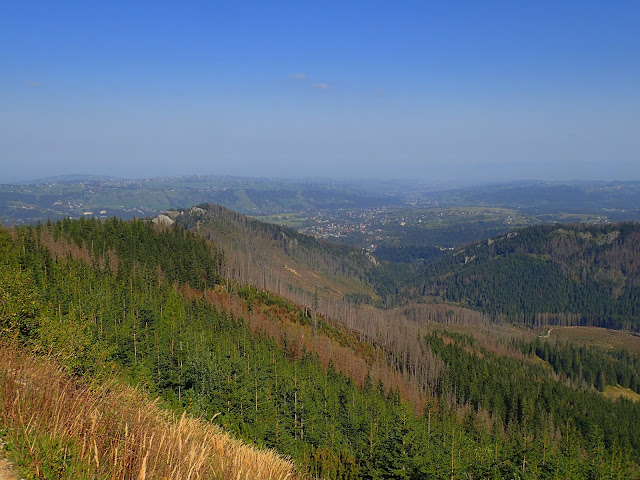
column 479, row 90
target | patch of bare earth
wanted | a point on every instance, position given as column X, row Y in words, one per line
column 6, row 470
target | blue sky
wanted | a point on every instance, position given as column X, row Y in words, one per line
column 477, row 90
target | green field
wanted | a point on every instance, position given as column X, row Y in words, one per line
column 291, row 220
column 613, row 393
column 595, row 336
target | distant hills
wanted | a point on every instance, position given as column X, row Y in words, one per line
column 78, row 195
column 613, row 200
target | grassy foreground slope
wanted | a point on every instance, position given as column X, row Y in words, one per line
column 151, row 303
column 58, row 427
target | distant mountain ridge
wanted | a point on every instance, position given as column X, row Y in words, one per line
column 554, row 197
column 78, row 195
column 74, row 195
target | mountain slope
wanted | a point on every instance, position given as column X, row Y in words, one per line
column 279, row 259
column 98, row 295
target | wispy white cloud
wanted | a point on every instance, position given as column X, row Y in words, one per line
column 34, row 84
column 299, row 76
column 322, row 86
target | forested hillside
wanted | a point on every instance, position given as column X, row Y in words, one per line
column 280, row 259
column 566, row 274
column 152, row 302
column 546, row 274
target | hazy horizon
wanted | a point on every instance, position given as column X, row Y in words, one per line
column 460, row 92
column 443, row 185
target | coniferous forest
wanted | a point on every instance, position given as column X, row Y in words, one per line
column 565, row 274
column 152, row 304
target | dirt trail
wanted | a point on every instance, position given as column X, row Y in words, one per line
column 6, row 471
column 548, row 333
column 551, row 329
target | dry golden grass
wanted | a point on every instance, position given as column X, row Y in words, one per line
column 113, row 432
